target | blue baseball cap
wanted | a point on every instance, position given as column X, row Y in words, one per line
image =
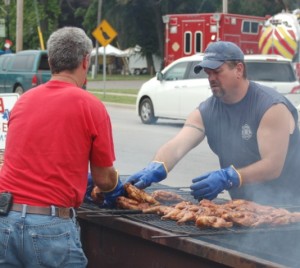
column 217, row 53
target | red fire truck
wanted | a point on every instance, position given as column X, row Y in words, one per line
column 187, row 34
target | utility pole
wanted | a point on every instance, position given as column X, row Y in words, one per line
column 19, row 28
column 7, row 5
column 225, row 6
column 97, row 43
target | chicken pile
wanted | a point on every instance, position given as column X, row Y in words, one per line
column 236, row 212
column 207, row 213
column 139, row 199
column 162, row 196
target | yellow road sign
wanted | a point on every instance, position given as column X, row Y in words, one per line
column 104, row 33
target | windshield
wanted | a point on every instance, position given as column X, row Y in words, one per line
column 270, row 71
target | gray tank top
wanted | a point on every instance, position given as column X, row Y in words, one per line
column 231, row 134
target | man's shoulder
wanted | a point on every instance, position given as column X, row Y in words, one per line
column 262, row 90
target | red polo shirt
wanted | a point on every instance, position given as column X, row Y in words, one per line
column 54, row 131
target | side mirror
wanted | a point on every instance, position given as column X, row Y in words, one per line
column 159, row 76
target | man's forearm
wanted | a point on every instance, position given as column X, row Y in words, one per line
column 168, row 155
column 260, row 171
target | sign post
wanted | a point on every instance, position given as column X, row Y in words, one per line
column 104, row 34
column 2, row 27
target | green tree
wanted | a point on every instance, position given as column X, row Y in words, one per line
column 254, row 7
column 140, row 22
column 136, row 21
column 53, row 14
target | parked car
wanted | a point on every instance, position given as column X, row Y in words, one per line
column 174, row 92
column 276, row 72
column 24, row 70
column 5, row 61
column 177, row 90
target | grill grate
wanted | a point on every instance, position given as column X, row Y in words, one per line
column 189, row 228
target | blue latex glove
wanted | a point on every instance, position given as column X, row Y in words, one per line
column 89, row 188
column 209, row 185
column 111, row 196
column 154, row 172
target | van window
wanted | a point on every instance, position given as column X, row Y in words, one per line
column 4, row 61
column 23, row 63
column 268, row 71
column 177, row 72
column 44, row 65
column 193, row 75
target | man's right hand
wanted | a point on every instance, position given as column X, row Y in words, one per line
column 154, row 172
column 111, row 196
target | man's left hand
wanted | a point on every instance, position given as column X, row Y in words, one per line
column 209, row 185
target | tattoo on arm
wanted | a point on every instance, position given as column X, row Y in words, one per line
column 193, row 126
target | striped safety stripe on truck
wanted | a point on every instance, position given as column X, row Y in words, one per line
column 279, row 40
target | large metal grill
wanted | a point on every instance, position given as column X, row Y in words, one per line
column 189, row 228
column 251, row 247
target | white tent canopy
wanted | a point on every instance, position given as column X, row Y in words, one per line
column 110, row 51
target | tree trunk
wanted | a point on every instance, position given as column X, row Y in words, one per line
column 150, row 64
column 159, row 26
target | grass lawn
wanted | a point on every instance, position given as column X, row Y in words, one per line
column 120, row 91
column 119, row 77
column 122, row 96
column 123, row 99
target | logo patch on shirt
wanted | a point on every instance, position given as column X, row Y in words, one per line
column 246, row 132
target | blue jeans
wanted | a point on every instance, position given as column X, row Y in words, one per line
column 30, row 240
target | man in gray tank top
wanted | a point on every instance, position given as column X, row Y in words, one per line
column 251, row 128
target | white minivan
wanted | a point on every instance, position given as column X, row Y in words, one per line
column 176, row 91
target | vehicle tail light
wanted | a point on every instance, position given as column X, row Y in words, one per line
column 34, row 81
column 295, row 90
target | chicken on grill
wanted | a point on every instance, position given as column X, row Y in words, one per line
column 162, row 195
column 207, row 213
column 160, row 210
column 139, row 195
column 127, row 203
column 212, row 221
column 236, row 212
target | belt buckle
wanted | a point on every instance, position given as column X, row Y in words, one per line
column 64, row 213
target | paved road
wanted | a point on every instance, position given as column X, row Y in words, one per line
column 132, row 84
column 136, row 144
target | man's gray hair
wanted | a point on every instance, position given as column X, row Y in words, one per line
column 67, row 47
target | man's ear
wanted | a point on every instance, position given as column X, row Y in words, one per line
column 240, row 69
column 85, row 63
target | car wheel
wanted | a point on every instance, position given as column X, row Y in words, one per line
column 147, row 112
column 19, row 90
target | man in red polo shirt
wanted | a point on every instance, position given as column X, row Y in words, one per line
column 55, row 130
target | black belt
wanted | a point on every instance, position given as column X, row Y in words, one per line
column 64, row 213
